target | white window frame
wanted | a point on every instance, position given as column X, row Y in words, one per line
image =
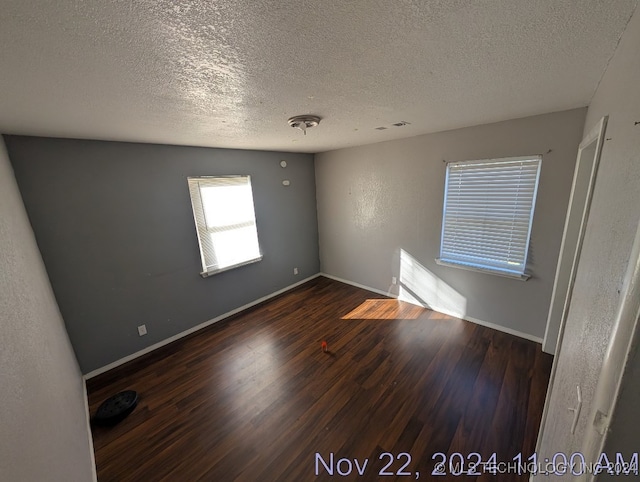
column 466, row 247
column 210, row 265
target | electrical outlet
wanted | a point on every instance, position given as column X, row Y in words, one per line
column 295, row 270
column 394, row 280
column 142, row 330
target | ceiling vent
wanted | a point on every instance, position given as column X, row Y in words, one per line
column 304, row 122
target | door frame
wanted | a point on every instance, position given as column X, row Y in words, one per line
column 570, row 249
column 596, row 134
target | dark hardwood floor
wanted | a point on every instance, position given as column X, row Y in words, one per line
column 254, row 398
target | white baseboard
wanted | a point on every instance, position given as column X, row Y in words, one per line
column 89, row 434
column 470, row 319
column 182, row 334
column 358, row 285
column 504, row 329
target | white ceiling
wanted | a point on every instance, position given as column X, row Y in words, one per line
column 230, row 73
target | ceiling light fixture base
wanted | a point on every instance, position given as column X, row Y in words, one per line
column 304, row 122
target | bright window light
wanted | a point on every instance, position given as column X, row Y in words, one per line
column 488, row 214
column 225, row 222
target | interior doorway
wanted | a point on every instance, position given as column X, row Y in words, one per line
column 574, row 228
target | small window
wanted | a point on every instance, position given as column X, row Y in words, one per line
column 225, row 222
column 488, row 213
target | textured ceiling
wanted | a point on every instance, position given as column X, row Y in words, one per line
column 230, row 73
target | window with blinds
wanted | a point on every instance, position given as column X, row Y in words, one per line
column 225, row 222
column 488, row 213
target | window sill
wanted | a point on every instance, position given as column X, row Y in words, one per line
column 206, row 274
column 504, row 274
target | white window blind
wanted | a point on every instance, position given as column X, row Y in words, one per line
column 225, row 222
column 488, row 213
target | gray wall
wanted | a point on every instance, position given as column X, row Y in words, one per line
column 114, row 224
column 380, row 214
column 43, row 419
column 605, row 255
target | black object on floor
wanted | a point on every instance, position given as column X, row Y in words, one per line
column 116, row 408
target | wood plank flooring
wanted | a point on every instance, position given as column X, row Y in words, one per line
column 253, row 398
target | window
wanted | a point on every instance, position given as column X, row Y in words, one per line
column 225, row 222
column 488, row 212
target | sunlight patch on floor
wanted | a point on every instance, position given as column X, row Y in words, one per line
column 385, row 309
